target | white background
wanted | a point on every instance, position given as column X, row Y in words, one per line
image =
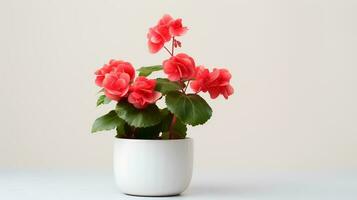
column 293, row 65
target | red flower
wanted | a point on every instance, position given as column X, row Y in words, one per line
column 200, row 82
column 101, row 74
column 116, row 85
column 156, row 38
column 142, row 92
column 165, row 21
column 163, row 31
column 116, row 66
column 159, row 34
column 215, row 82
column 180, row 67
column 115, row 78
column 176, row 28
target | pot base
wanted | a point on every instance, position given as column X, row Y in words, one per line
column 153, row 168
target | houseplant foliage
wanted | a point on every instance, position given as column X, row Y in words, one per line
column 136, row 114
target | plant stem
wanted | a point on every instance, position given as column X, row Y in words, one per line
column 168, row 51
column 182, row 83
column 188, row 83
column 173, row 46
column 173, row 122
column 133, row 132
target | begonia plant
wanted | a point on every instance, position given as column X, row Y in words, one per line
column 136, row 114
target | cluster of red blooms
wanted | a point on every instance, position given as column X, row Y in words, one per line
column 117, row 77
column 182, row 67
column 166, row 28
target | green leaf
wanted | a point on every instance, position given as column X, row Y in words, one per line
column 151, row 132
column 107, row 100
column 191, row 108
column 121, row 130
column 164, row 85
column 107, row 122
column 171, row 130
column 166, row 119
column 139, row 118
column 102, row 100
column 146, row 71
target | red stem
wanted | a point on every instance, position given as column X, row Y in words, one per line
column 188, row 83
column 168, row 51
column 183, row 89
column 173, row 46
column 173, row 122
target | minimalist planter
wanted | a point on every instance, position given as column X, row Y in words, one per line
column 153, row 167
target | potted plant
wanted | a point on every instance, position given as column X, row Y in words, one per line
column 152, row 155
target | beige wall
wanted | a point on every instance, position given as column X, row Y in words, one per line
column 293, row 63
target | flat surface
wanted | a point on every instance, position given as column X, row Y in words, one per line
column 53, row 185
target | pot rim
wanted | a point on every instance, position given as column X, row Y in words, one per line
column 153, row 140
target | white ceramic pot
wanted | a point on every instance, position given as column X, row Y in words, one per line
column 153, row 167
